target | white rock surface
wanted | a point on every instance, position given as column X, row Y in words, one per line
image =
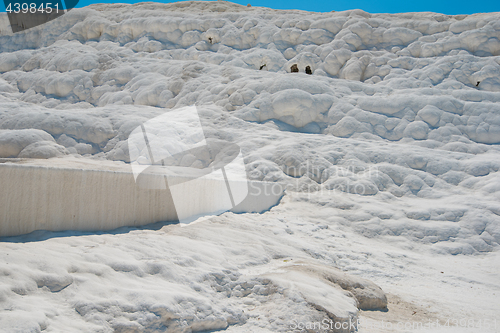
column 388, row 152
column 13, row 142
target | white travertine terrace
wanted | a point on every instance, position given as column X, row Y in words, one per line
column 388, row 150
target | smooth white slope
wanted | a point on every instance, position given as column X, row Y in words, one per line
column 236, row 272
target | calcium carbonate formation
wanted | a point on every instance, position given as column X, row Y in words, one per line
column 380, row 132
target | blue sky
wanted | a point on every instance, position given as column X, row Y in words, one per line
column 373, row 6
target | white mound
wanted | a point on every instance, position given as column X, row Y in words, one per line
column 387, row 140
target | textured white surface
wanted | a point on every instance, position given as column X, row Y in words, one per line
column 388, row 152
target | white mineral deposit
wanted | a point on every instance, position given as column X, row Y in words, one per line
column 378, row 133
